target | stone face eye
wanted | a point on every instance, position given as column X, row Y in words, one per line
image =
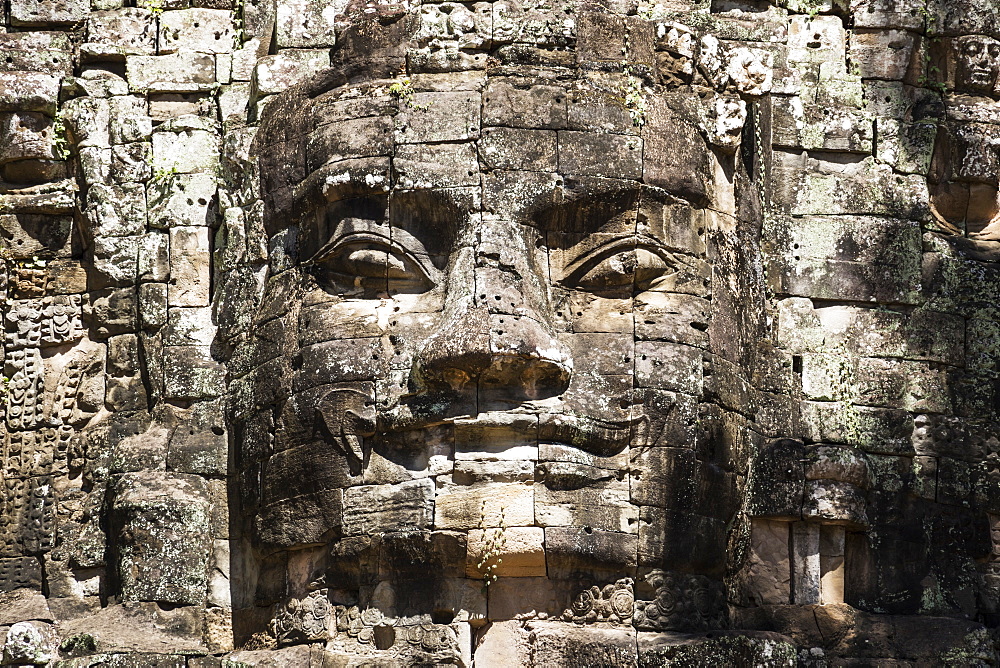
column 638, row 268
column 373, row 264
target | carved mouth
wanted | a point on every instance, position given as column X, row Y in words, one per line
column 979, row 76
column 599, row 437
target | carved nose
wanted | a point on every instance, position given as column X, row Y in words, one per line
column 510, row 357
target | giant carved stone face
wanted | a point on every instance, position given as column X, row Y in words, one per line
column 978, row 63
column 493, row 312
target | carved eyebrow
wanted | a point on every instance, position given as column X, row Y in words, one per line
column 586, row 259
column 360, row 230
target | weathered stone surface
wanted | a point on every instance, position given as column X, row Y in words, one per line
column 162, row 537
column 114, row 34
column 303, row 23
column 176, row 72
column 273, row 74
column 32, row 13
column 520, row 334
column 196, row 29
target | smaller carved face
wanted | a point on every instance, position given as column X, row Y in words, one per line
column 750, row 71
column 978, row 63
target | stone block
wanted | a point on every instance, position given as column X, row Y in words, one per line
column 438, row 117
column 484, row 505
column 349, row 138
column 181, row 199
column 842, row 130
column 114, row 34
column 287, row 519
column 131, row 120
column 603, row 504
column 234, row 99
column 29, row 643
column 744, row 647
column 37, row 51
column 154, row 256
column 922, row 335
column 198, row 30
column 574, row 551
column 860, row 188
column 191, row 373
column 185, row 151
column 815, row 39
column 190, row 266
column 130, row 163
column 37, row 235
column 29, row 91
column 805, row 563
column 507, row 552
column 513, row 148
column 190, row 327
column 502, row 644
column 898, row 14
column 883, row 54
column 515, row 438
column 597, row 154
column 538, row 106
column 198, row 444
column 664, row 477
column 413, row 558
column 116, row 211
column 273, row 74
column 23, row 604
column 21, row 575
column 908, row 147
column 115, row 260
column 834, row 501
column 115, row 310
column 768, row 571
column 834, row 258
column 153, row 305
column 373, row 508
column 558, row 643
column 527, row 598
column 307, row 23
column 668, row 366
column 123, row 355
column 41, row 14
column 95, row 164
column 423, row 166
column 175, row 72
column 160, row 527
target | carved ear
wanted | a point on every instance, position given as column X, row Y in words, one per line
column 347, row 416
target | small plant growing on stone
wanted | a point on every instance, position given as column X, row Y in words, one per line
column 403, row 90
column 60, row 142
column 634, row 98
column 494, row 541
column 239, row 25
column 155, row 7
column 164, row 173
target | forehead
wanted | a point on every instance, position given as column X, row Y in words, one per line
column 546, row 151
column 979, row 42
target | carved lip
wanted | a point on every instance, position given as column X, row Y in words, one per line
column 603, row 438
